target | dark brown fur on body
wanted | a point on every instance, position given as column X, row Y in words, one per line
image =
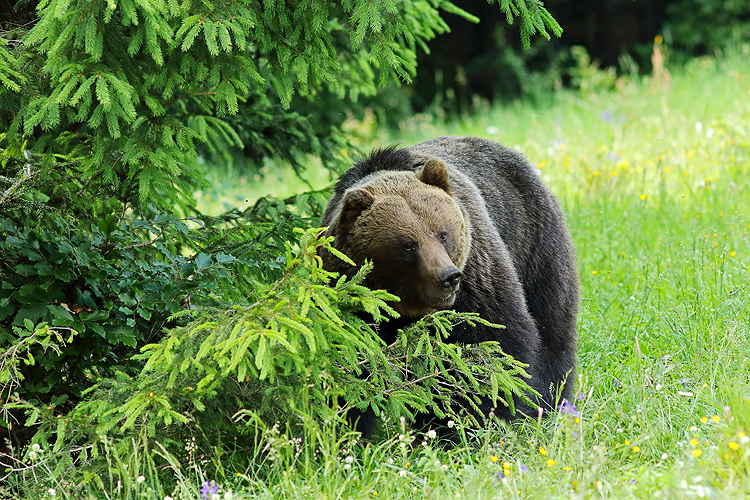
column 466, row 223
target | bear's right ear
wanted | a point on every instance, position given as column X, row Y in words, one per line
column 355, row 200
column 435, row 173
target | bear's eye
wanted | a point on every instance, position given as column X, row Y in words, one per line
column 443, row 236
column 410, row 246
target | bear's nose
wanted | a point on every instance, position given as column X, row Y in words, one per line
column 450, row 277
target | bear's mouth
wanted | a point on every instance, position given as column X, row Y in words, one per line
column 443, row 301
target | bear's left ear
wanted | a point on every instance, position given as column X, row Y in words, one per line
column 435, row 173
column 354, row 202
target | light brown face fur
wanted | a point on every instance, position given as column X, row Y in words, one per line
column 414, row 233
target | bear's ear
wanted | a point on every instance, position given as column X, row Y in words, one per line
column 435, row 173
column 355, row 200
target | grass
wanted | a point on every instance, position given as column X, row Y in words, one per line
column 654, row 181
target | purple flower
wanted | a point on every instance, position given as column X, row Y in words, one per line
column 569, row 409
column 579, row 396
column 685, row 382
column 208, row 490
column 522, row 468
column 616, row 382
column 607, row 115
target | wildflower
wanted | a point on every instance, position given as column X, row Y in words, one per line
column 636, row 449
column 697, row 453
column 643, row 196
column 168, row 498
column 228, row 495
column 568, row 468
column 451, row 423
column 431, row 434
column 208, row 490
column 716, row 418
column 52, row 492
column 550, row 462
column 522, row 468
column 569, row 409
column 685, row 382
column 704, row 420
column 542, row 451
column 140, row 479
column 374, row 493
column 693, row 443
column 743, row 438
column 733, row 446
column 493, row 458
column 607, row 115
column 402, row 473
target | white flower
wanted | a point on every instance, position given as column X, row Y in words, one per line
column 431, row 434
column 140, row 479
column 51, row 491
column 744, row 439
column 228, row 495
column 349, row 459
column 451, row 423
column 215, row 496
column 35, row 447
column 168, row 498
column 33, row 455
column 402, row 473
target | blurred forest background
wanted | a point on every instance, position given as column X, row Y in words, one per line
column 479, row 58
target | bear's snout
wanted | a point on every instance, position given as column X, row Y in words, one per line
column 450, row 277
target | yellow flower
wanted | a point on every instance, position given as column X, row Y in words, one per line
column 567, row 468
column 643, row 197
column 594, row 272
column 374, row 493
column 636, row 449
column 704, row 420
column 733, row 445
column 627, row 443
column 693, row 443
column 697, row 452
column 493, row 458
column 716, row 418
column 542, row 451
column 658, row 39
column 732, row 254
column 550, row 462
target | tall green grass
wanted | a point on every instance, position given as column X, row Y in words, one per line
column 654, row 182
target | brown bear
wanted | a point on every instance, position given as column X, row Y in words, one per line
column 466, row 223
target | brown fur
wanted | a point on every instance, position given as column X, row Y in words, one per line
column 466, row 223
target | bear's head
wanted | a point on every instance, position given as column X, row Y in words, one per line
column 414, row 232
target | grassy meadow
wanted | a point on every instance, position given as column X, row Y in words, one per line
column 654, row 180
column 653, row 177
